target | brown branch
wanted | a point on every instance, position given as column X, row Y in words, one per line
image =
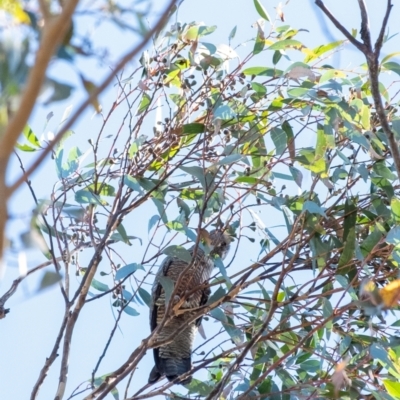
column 51, row 359
column 53, row 32
column 365, row 30
column 94, row 94
column 341, row 28
column 373, row 69
column 379, row 41
column 14, row 286
column 69, row 328
column 45, row 9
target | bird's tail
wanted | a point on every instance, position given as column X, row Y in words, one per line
column 172, row 368
column 155, row 375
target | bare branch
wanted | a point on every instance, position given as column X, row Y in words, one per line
column 45, row 9
column 341, row 28
column 53, row 33
column 365, row 30
column 94, row 94
column 51, row 358
column 373, row 68
column 379, row 41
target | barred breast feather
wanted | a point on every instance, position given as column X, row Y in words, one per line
column 174, row 358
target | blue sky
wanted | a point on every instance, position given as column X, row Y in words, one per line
column 28, row 332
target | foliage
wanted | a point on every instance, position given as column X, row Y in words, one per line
column 293, row 136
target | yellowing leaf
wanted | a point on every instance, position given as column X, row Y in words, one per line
column 14, row 8
column 391, row 294
column 339, row 377
column 90, row 87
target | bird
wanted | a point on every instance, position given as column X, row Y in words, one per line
column 174, row 358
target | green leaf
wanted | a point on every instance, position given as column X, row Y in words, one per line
column 382, row 170
column 25, row 147
column 393, row 237
column 133, row 184
column 331, row 74
column 261, row 90
column 192, row 194
column 232, row 158
column 49, row 278
column 102, row 189
column 101, row 287
column 389, row 56
column 152, row 221
column 136, row 145
column 131, row 311
column 392, row 66
column 217, row 295
column 368, row 244
column 247, row 179
column 31, row 137
column 194, row 127
column 218, row 314
column 259, row 45
column 284, row 44
column 318, row 51
column 121, row 230
column 279, row 138
column 385, row 185
column 205, row 177
column 220, row 265
column 344, row 283
column 86, row 197
column 161, row 210
column 183, row 208
column 261, row 10
column 232, row 34
column 144, row 103
column 262, row 71
column 127, row 270
column 194, row 32
column 313, row 208
column 235, row 333
column 202, row 388
column 297, row 176
column 176, row 226
column 178, row 252
column 311, row 365
column 327, row 309
column 298, row 92
column 395, row 206
column 168, row 286
column 392, row 387
column 145, row 296
column 224, row 112
column 349, row 233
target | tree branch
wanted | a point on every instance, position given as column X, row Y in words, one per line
column 341, row 28
column 373, row 69
column 365, row 30
column 94, row 94
column 379, row 41
column 53, row 32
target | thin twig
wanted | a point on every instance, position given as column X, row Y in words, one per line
column 373, row 69
column 94, row 94
column 379, row 41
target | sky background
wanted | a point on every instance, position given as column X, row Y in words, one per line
column 27, row 333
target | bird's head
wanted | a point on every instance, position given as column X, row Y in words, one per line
column 220, row 243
